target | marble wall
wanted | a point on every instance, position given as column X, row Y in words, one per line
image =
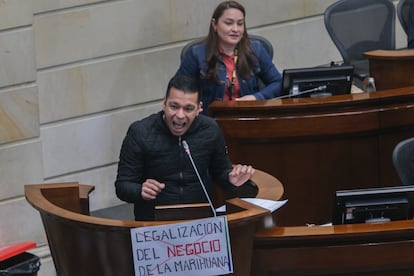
column 75, row 73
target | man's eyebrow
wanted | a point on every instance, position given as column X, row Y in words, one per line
column 184, row 106
column 174, row 102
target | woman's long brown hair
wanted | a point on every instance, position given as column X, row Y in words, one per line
column 246, row 58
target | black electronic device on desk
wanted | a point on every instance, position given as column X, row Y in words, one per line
column 373, row 205
column 317, row 81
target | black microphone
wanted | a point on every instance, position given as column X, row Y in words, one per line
column 319, row 88
column 187, row 150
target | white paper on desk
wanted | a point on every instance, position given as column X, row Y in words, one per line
column 221, row 209
column 271, row 205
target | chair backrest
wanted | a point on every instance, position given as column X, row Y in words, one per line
column 405, row 12
column 357, row 26
column 403, row 160
column 265, row 43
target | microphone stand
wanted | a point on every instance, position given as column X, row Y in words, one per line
column 187, row 150
column 316, row 89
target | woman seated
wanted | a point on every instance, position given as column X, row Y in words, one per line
column 228, row 64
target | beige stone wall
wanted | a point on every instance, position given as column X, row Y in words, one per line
column 75, row 73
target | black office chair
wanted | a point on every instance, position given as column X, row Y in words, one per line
column 405, row 12
column 403, row 160
column 358, row 26
column 265, row 43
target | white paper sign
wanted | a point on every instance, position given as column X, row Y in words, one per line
column 197, row 247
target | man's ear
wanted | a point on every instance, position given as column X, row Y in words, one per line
column 164, row 103
column 200, row 108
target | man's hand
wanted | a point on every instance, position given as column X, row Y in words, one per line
column 151, row 188
column 240, row 174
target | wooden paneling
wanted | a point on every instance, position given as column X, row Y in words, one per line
column 316, row 146
column 359, row 249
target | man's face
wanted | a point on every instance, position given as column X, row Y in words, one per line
column 180, row 110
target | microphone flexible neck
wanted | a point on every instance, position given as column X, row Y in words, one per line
column 187, row 150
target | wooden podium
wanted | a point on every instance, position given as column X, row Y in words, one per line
column 81, row 244
column 85, row 245
column 391, row 68
column 316, row 146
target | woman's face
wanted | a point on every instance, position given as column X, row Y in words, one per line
column 229, row 27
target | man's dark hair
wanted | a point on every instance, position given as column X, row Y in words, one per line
column 186, row 84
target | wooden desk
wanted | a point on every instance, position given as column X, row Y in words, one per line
column 84, row 245
column 391, row 68
column 316, row 146
column 359, row 249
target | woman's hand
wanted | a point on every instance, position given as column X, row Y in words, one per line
column 246, row 98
